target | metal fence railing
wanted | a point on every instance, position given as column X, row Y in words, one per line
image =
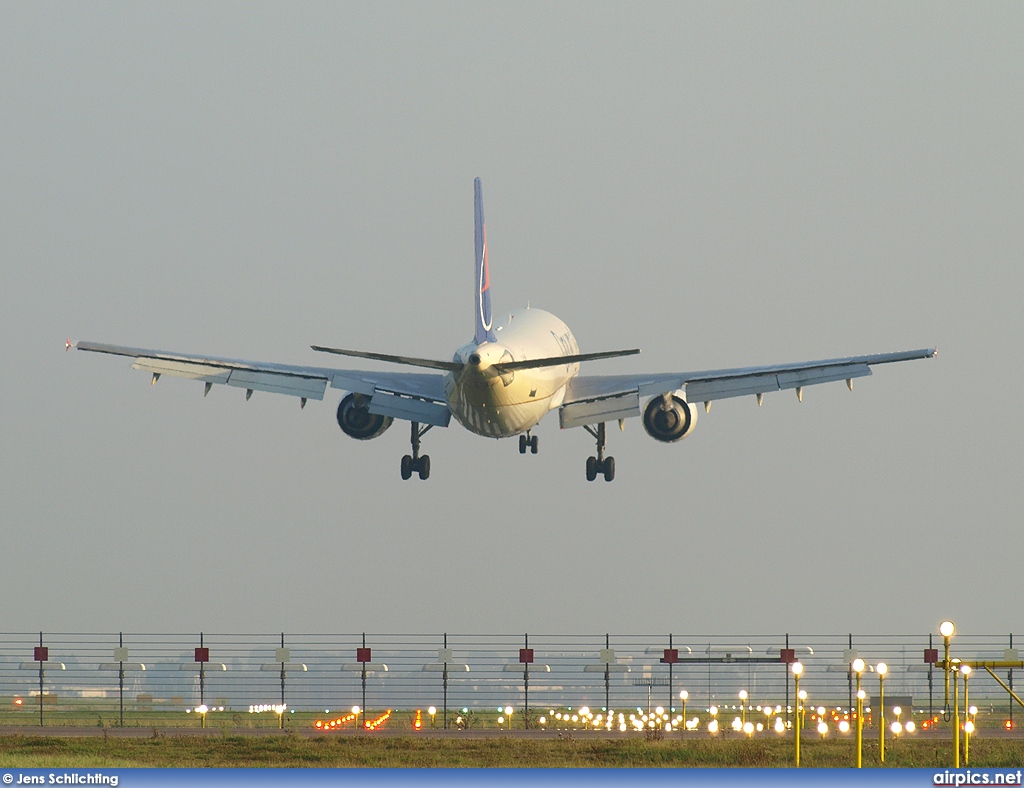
column 155, row 673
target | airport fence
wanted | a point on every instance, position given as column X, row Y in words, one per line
column 149, row 679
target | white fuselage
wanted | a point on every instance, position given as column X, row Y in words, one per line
column 499, row 405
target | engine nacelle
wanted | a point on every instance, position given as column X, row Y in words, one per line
column 669, row 418
column 355, row 419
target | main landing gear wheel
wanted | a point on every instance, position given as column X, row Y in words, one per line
column 527, row 440
column 415, row 463
column 420, row 465
column 605, row 467
column 600, row 464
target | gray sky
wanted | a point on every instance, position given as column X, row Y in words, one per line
column 719, row 184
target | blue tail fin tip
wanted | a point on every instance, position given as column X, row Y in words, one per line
column 484, row 324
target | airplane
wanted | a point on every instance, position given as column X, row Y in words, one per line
column 504, row 381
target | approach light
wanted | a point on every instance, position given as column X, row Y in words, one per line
column 822, row 728
column 910, row 727
column 881, row 668
column 969, row 727
column 946, row 629
column 797, row 668
column 896, row 728
column 858, row 665
column 844, row 726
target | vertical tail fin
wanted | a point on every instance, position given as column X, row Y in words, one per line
column 484, row 332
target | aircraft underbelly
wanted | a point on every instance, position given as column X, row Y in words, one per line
column 495, row 410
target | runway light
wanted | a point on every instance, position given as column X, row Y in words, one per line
column 822, row 728
column 417, row 723
column 946, row 629
column 18, row 701
column 910, row 727
column 372, row 725
column 896, row 728
column 1008, row 725
column 333, row 725
column 713, row 726
column 844, row 726
column 780, row 726
column 969, row 727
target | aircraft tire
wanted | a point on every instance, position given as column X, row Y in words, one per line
column 533, row 444
column 522, row 444
column 424, row 466
column 609, row 468
column 591, row 468
column 406, row 467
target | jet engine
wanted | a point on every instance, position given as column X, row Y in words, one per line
column 669, row 418
column 355, row 419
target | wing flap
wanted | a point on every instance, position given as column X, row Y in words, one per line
column 410, row 409
column 183, row 369
column 743, row 385
column 706, row 390
column 410, row 384
column 810, row 377
column 596, row 411
column 275, row 383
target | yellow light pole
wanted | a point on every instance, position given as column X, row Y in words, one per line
column 743, row 707
column 858, row 668
column 881, row 669
column 683, row 695
column 797, row 670
column 968, row 725
column 954, row 668
column 972, row 715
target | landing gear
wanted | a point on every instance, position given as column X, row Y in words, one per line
column 599, row 464
column 527, row 440
column 415, row 463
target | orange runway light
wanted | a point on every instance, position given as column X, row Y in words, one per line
column 417, row 723
column 372, row 725
column 18, row 701
column 333, row 725
column 1008, row 725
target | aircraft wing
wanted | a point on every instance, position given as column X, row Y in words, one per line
column 413, row 396
column 590, row 399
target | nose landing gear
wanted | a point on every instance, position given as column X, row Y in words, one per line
column 416, row 463
column 599, row 464
column 527, row 440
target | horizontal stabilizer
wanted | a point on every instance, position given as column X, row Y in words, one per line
column 450, row 366
column 556, row 361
